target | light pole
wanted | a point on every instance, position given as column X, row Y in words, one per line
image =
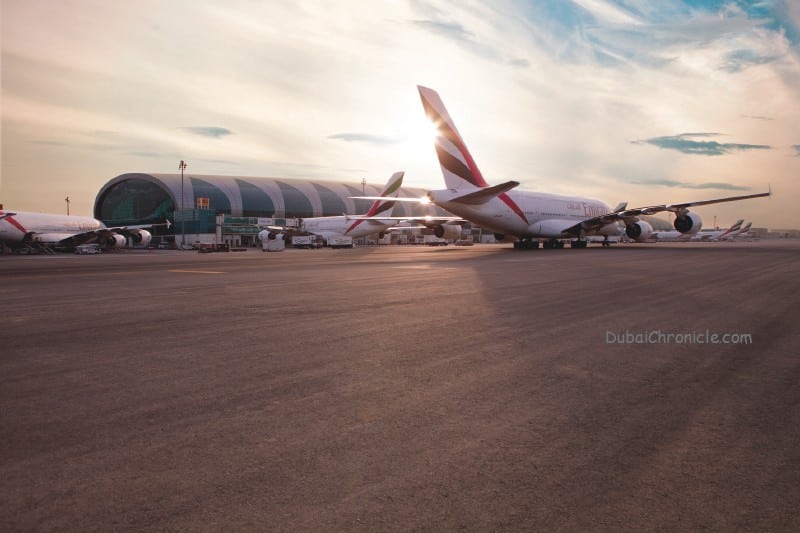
column 67, row 200
column 182, row 167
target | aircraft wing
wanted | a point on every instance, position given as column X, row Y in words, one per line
column 630, row 215
column 124, row 229
column 94, row 235
column 421, row 219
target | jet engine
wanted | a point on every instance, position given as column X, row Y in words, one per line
column 141, row 237
column 689, row 223
column 639, row 231
column 267, row 235
column 447, row 231
column 115, row 240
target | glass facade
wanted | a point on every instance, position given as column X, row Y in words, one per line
column 295, row 203
column 134, row 201
column 217, row 200
column 331, row 203
column 255, row 202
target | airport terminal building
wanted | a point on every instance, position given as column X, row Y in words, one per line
column 193, row 203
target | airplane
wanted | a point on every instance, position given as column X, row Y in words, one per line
column 19, row 229
column 532, row 216
column 344, row 228
column 744, row 232
column 719, row 235
column 711, row 235
column 340, row 230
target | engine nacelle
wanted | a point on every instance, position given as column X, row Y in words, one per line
column 639, row 231
column 447, row 231
column 116, row 241
column 141, row 237
column 267, row 235
column 688, row 224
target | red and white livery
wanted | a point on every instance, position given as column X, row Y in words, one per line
column 533, row 216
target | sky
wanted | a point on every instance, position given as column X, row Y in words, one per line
column 620, row 100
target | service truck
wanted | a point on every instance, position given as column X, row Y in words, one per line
column 306, row 241
column 340, row 241
column 273, row 243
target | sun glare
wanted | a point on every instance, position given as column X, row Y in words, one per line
column 420, row 137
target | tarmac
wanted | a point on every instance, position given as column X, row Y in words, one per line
column 403, row 389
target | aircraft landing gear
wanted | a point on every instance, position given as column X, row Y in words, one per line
column 526, row 244
column 606, row 244
column 579, row 244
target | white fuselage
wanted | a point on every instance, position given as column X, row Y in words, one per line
column 43, row 227
column 713, row 235
column 527, row 213
column 671, row 235
column 345, row 226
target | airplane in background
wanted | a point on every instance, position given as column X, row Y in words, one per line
column 743, row 233
column 711, row 235
column 19, row 229
column 533, row 216
column 374, row 222
column 719, row 235
column 339, row 231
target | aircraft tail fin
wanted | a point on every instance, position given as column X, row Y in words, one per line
column 732, row 229
column 392, row 188
column 458, row 167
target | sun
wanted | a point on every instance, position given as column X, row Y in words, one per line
column 420, row 137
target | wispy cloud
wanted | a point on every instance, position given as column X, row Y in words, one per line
column 208, row 131
column 738, row 60
column 686, row 143
column 689, row 185
column 451, row 30
column 458, row 33
column 366, row 138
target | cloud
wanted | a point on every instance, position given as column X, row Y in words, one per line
column 688, row 185
column 366, row 138
column 796, row 149
column 468, row 40
column 684, row 143
column 451, row 30
column 208, row 131
column 738, row 60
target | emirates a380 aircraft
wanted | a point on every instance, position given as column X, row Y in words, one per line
column 64, row 231
column 533, row 216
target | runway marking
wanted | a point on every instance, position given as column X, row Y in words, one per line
column 197, row 271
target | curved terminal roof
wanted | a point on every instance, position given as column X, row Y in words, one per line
column 142, row 198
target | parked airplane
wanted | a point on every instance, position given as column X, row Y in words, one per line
column 378, row 219
column 711, row 235
column 344, row 228
column 719, row 235
column 18, row 229
column 532, row 216
column 744, row 232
